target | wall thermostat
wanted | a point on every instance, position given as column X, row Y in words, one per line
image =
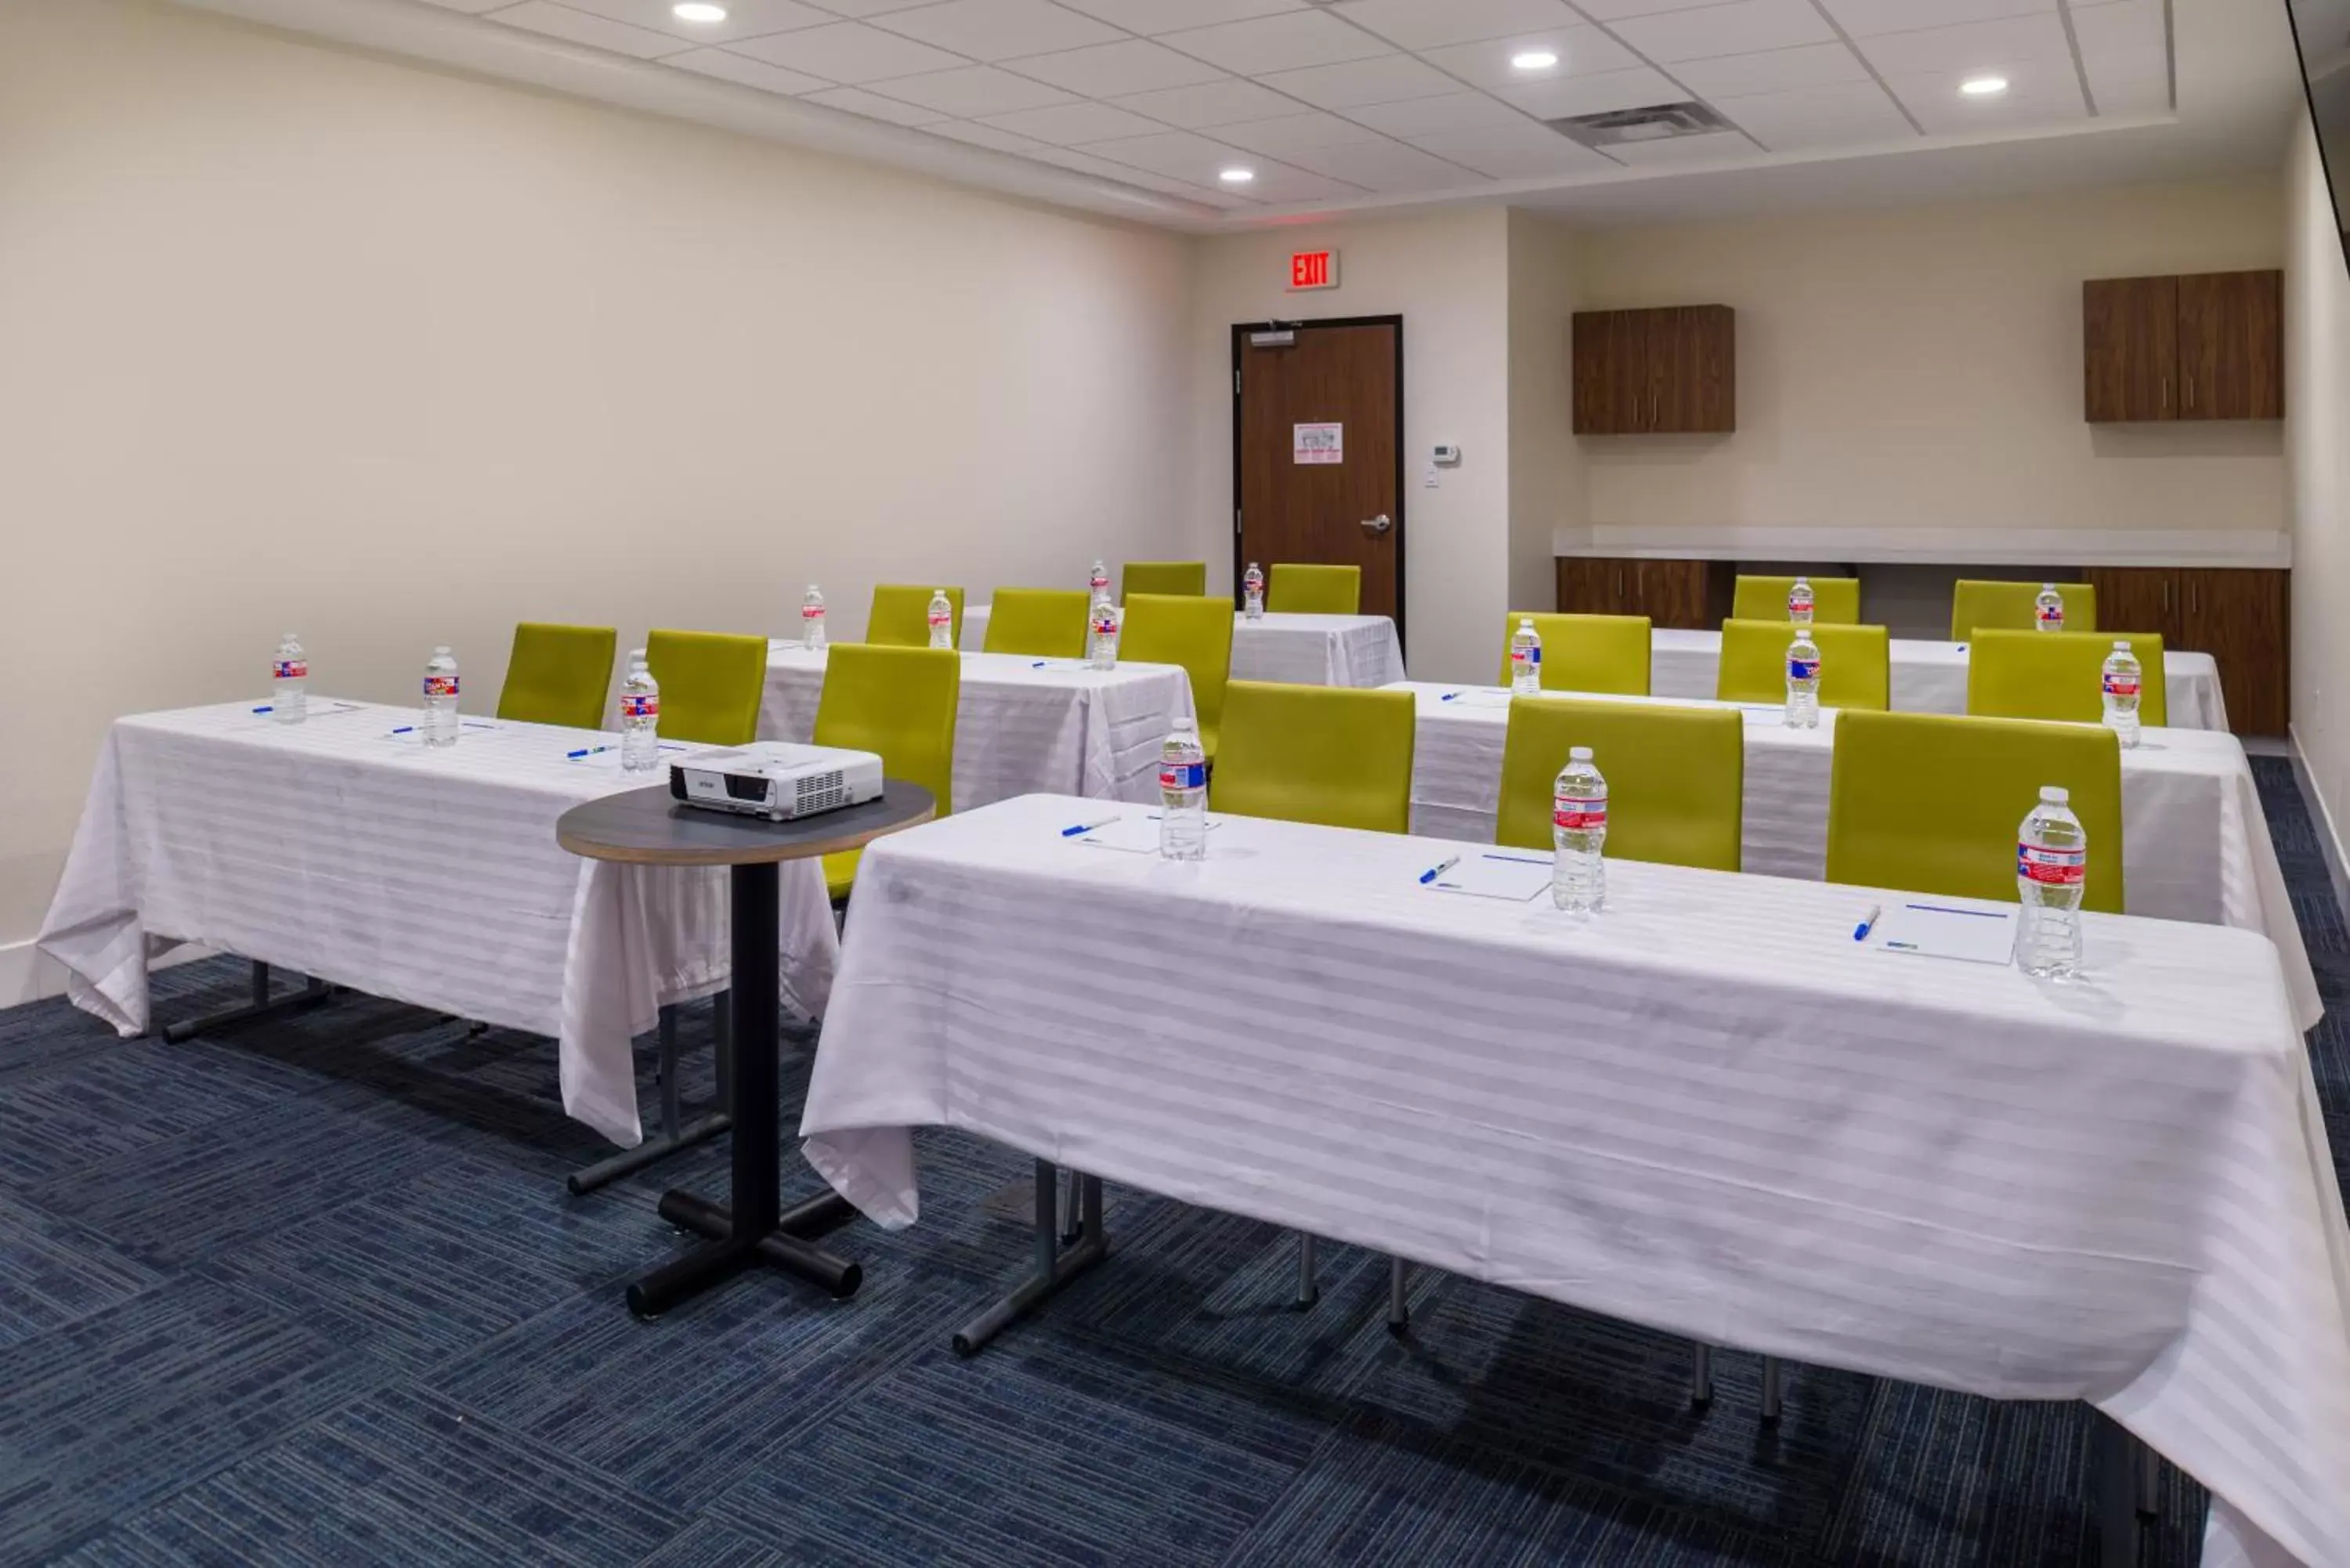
column 1448, row 456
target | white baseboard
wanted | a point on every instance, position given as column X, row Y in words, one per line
column 2329, row 838
column 28, row 974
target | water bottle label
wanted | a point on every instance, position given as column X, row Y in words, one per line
column 2120, row 685
column 1105, row 626
column 1182, row 775
column 1100, row 585
column 1799, row 605
column 292, row 669
column 440, row 686
column 2051, row 868
column 2051, row 618
column 1576, row 815
column 1803, row 668
column 640, row 707
column 811, row 612
column 938, row 621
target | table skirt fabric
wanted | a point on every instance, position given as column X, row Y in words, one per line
column 1301, row 650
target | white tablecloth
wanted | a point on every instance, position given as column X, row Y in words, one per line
column 337, row 849
column 1931, row 677
column 1026, row 726
column 1303, row 649
column 2195, row 842
column 1708, row 1110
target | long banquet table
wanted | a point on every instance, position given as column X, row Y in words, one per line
column 1304, row 650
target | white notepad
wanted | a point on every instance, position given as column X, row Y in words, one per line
column 1477, row 697
column 1137, row 833
column 1972, row 935
column 1495, row 874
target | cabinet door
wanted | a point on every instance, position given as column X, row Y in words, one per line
column 2140, row 598
column 2130, row 339
column 1692, row 368
column 2240, row 617
column 1588, row 585
column 1610, row 372
column 2230, row 341
column 1669, row 593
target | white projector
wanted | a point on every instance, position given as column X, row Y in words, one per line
column 777, row 780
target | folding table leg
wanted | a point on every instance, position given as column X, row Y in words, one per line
column 1399, row 1303
column 1309, row 1288
column 2149, row 1482
column 676, row 1133
column 2115, row 1471
column 1053, row 1266
column 312, row 993
column 1700, row 1374
column 1770, row 1391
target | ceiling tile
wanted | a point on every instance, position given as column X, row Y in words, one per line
column 1616, row 10
column 1225, row 102
column 873, row 106
column 1285, row 42
column 1775, row 70
column 1713, row 147
column 1428, row 116
column 1168, row 15
column 1971, row 46
column 1389, row 79
column 1609, row 90
column 1385, row 166
column 1279, row 182
column 1735, row 29
column 1216, row 196
column 858, row 8
column 971, row 91
column 986, row 136
column 2122, row 27
column 579, row 27
column 1070, row 123
column 1295, row 133
column 1426, row 24
column 847, row 52
column 1581, row 51
column 1107, row 70
column 1866, row 18
column 744, row 18
column 747, row 72
column 474, row 7
column 2039, row 92
column 1103, row 169
column 2130, row 85
column 1845, row 114
column 1176, row 152
column 999, row 29
column 1521, row 153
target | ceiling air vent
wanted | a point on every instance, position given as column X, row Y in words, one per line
column 1657, row 122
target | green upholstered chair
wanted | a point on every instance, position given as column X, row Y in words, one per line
column 1929, row 802
column 2059, row 675
column 900, row 616
column 558, row 675
column 1048, row 622
column 1836, row 601
column 899, row 703
column 1606, row 653
column 710, row 684
column 1855, row 664
column 1977, row 605
column 1676, row 776
column 1331, row 754
column 1189, row 578
column 1296, row 589
column 1194, row 632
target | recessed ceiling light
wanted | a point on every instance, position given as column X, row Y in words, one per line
column 1533, row 60
column 1983, row 86
column 698, row 11
column 1236, row 176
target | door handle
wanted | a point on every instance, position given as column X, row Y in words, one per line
column 1376, row 526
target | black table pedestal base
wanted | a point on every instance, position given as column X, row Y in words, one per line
column 787, row 1247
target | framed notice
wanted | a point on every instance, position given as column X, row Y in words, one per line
column 1319, row 443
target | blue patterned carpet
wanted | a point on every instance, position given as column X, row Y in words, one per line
column 313, row 1293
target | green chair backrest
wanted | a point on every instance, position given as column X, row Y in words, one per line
column 1186, row 577
column 1295, row 589
column 558, row 675
column 1855, row 664
column 1194, row 632
column 710, row 684
column 1836, row 601
column 1586, row 652
column 899, row 703
column 1332, row 755
column 902, row 615
column 1930, row 803
column 1048, row 622
column 1977, row 605
column 1676, row 776
column 2058, row 675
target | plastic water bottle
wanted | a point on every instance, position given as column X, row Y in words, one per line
column 2048, row 609
column 441, row 722
column 2122, row 682
column 1578, row 818
column 1101, row 645
column 289, row 683
column 1803, row 681
column 1097, row 585
column 2052, row 868
column 1799, row 602
column 941, row 620
column 1525, row 658
column 639, row 717
column 1183, row 794
column 812, row 619
column 1252, row 592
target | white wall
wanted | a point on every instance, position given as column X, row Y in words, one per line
column 1549, row 486
column 2317, row 414
column 1921, row 369
column 294, row 337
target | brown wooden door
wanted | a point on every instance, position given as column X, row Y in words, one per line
column 2130, row 331
column 2231, row 335
column 1691, row 369
column 2240, row 617
column 1348, row 512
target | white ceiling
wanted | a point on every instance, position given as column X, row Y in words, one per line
column 1345, row 104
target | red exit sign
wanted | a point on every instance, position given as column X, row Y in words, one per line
column 1314, row 269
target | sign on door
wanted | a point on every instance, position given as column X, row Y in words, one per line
column 1319, row 443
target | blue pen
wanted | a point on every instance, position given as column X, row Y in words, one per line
column 1084, row 828
column 1433, row 872
column 405, row 730
column 1868, row 923
column 587, row 752
column 262, row 709
column 1518, row 859
column 1040, row 664
column 1448, row 697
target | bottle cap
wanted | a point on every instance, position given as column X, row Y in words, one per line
column 1578, row 753
column 1525, row 623
column 636, row 653
column 439, row 648
column 2053, row 794
column 2121, row 645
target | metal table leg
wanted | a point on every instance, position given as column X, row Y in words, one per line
column 1399, row 1303
column 1700, row 1374
column 312, row 993
column 675, row 1134
column 1053, row 1266
column 1772, row 1396
column 2115, row 1472
column 1309, row 1287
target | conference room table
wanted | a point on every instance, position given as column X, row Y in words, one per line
column 1929, row 677
column 1706, row 1109
column 2195, row 842
column 1025, row 725
column 344, row 849
column 1301, row 650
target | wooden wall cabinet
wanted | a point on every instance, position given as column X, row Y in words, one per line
column 1669, row 593
column 2207, row 345
column 1662, row 371
column 2239, row 615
